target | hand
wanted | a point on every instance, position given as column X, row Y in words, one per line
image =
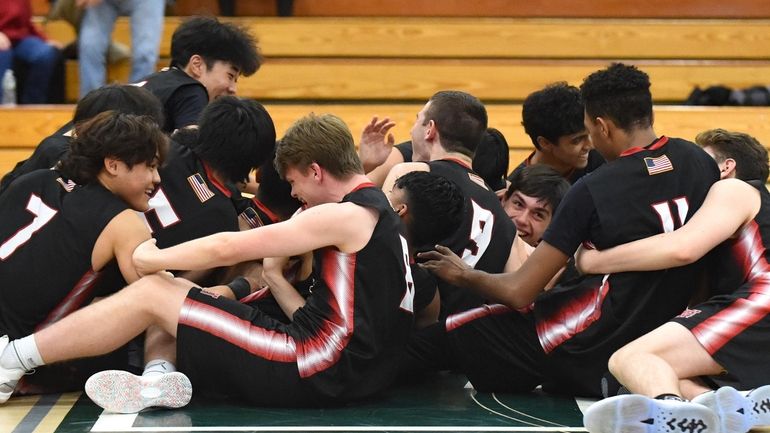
column 143, row 257
column 376, row 143
column 445, row 264
column 586, row 259
column 5, row 43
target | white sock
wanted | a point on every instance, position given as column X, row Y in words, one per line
column 21, row 354
column 158, row 366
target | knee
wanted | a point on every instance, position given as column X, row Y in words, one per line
column 620, row 359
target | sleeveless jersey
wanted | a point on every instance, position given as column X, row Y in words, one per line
column 46, row 155
column 644, row 192
column 166, row 84
column 47, row 235
column 189, row 203
column 358, row 318
column 484, row 238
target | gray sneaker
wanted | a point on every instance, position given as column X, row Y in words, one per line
column 123, row 392
column 8, row 376
column 634, row 413
column 738, row 411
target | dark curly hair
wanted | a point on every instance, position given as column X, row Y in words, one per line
column 127, row 137
column 436, row 206
column 553, row 112
column 215, row 41
column 620, row 93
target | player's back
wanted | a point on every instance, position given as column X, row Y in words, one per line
column 189, row 203
column 483, row 240
column 48, row 228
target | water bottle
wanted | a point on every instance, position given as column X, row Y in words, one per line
column 9, row 88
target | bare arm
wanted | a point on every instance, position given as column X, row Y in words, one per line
column 399, row 170
column 118, row 240
column 378, row 174
column 514, row 289
column 319, row 227
column 283, row 291
column 729, row 205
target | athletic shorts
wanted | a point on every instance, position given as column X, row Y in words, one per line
column 735, row 330
column 220, row 348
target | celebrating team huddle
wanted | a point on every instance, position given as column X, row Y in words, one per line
column 612, row 263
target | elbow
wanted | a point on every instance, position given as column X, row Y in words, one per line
column 683, row 255
column 225, row 251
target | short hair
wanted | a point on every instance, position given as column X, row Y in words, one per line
column 749, row 154
column 215, row 41
column 275, row 192
column 324, row 139
column 491, row 159
column 235, row 136
column 460, row 118
column 127, row 137
column 541, row 182
column 436, row 205
column 553, row 112
column 620, row 93
column 122, row 98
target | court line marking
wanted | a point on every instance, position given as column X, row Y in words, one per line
column 494, row 395
column 473, row 397
column 36, row 413
column 347, row 429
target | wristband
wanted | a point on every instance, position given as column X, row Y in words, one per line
column 240, row 287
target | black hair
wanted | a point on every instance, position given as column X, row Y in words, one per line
column 127, row 137
column 749, row 154
column 436, row 206
column 215, row 41
column 541, row 182
column 491, row 159
column 460, row 118
column 235, row 136
column 553, row 112
column 275, row 192
column 122, row 98
column 620, row 93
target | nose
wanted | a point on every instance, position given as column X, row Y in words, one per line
column 521, row 218
column 155, row 176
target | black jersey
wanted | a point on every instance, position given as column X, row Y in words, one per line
column 189, row 203
column 484, row 239
column 644, row 192
column 182, row 96
column 48, row 231
column 46, row 155
column 595, row 160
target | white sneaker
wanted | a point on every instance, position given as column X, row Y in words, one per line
column 634, row 413
column 123, row 392
column 738, row 411
column 8, row 376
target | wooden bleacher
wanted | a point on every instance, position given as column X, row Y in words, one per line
column 21, row 128
column 496, row 59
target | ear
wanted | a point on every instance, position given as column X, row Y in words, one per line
column 431, row 131
column 196, row 66
column 727, row 169
column 111, row 166
column 604, row 126
column 544, row 143
column 402, row 209
column 316, row 171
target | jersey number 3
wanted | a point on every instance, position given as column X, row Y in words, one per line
column 43, row 214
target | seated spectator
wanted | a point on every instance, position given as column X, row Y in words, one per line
column 21, row 41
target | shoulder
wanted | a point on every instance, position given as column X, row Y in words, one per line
column 407, row 167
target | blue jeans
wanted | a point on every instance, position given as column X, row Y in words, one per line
column 95, row 33
column 40, row 59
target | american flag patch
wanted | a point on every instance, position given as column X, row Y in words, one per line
column 199, row 187
column 68, row 186
column 658, row 165
column 251, row 217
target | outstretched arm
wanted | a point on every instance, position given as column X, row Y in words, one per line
column 319, row 227
column 729, row 205
column 514, row 289
column 376, row 143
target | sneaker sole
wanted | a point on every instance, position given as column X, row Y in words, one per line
column 759, row 399
column 635, row 413
column 123, row 392
column 732, row 408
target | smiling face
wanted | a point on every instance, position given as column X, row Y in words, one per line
column 304, row 186
column 530, row 214
column 135, row 185
column 420, row 146
column 221, row 79
column 572, row 149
